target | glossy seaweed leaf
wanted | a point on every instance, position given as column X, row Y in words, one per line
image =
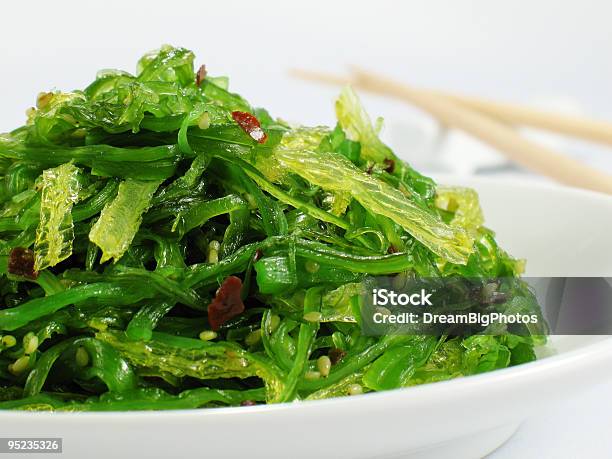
column 55, row 232
column 120, row 219
column 334, row 172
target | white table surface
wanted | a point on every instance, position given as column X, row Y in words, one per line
column 546, row 52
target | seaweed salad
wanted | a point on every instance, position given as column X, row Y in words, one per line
column 165, row 245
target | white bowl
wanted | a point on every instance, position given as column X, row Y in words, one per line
column 560, row 231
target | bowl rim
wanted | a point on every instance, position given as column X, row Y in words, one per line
column 521, row 181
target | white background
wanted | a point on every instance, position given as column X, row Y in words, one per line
column 545, row 52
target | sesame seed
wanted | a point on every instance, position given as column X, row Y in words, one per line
column 208, row 335
column 213, row 251
column 312, row 375
column 9, row 340
column 81, row 357
column 204, row 121
column 324, row 365
column 313, row 316
column 257, row 134
column 20, row 365
column 355, row 389
column 253, row 338
column 30, row 343
column 312, row 266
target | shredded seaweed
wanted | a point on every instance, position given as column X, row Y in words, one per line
column 166, row 245
column 55, row 232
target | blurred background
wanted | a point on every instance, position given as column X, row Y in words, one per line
column 545, row 53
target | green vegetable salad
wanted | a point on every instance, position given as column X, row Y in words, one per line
column 165, row 245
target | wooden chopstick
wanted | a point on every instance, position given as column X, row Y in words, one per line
column 521, row 150
column 572, row 126
column 584, row 128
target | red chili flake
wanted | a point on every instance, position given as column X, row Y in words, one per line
column 392, row 249
column 250, row 125
column 248, row 403
column 21, row 263
column 200, row 75
column 335, row 355
column 389, row 165
column 227, row 303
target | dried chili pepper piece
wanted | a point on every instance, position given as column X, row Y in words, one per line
column 200, row 75
column 227, row 303
column 389, row 165
column 336, row 355
column 21, row 263
column 250, row 125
